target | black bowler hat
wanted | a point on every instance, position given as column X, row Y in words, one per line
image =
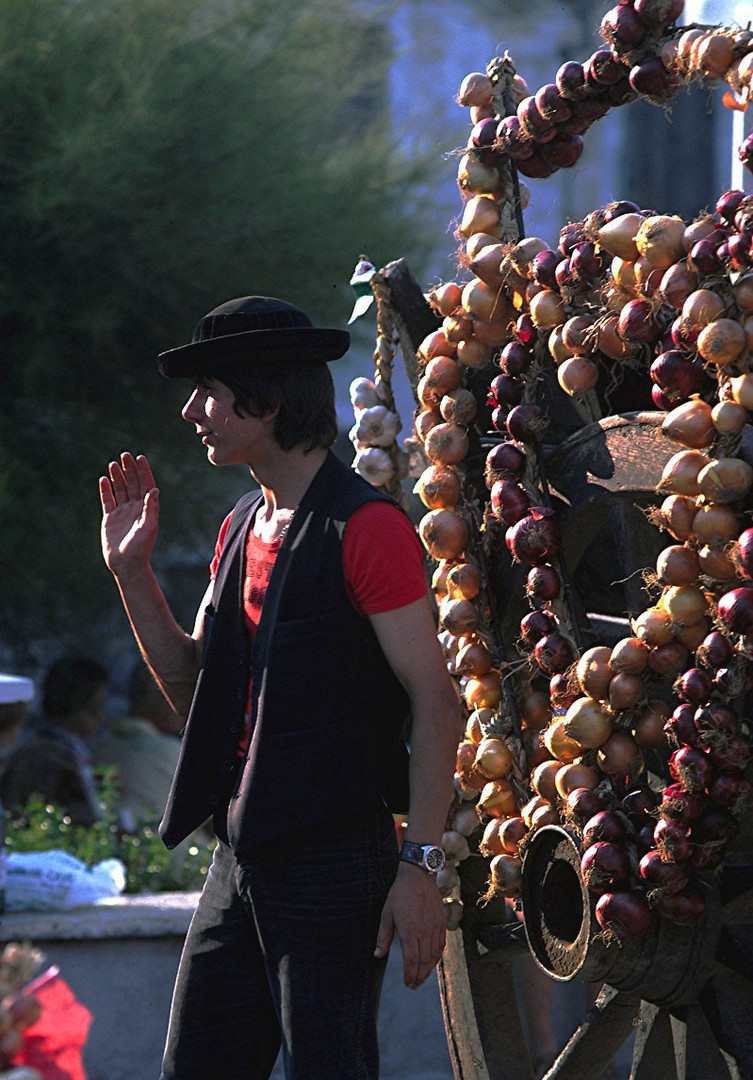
column 249, row 332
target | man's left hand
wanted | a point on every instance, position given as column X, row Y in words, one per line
column 414, row 910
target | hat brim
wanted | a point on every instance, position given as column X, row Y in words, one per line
column 254, row 348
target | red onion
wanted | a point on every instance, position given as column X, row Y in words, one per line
column 638, row 322
column 484, row 133
column 563, row 693
column 553, row 653
column 563, row 150
column 506, row 461
column 571, row 81
column 525, row 330
column 603, row 68
column 691, row 768
column 526, row 423
column 659, row 12
column 604, row 825
column 668, row 876
column 543, row 266
column 680, row 727
column 673, row 370
column 583, row 803
column 732, row 754
column 536, row 166
column 694, row 685
column 729, row 789
column 563, row 274
column 644, row 838
column 586, row 263
column 571, row 234
column 715, row 650
column 551, row 104
column 515, row 358
column 679, row 805
column 506, row 390
column 651, row 79
column 728, row 204
column 639, row 803
column 673, row 841
column 530, row 118
column 626, row 914
column 513, row 139
column 738, row 251
column 715, row 718
column 683, row 907
column 623, row 29
column 703, row 257
column 605, row 866
column 735, row 610
column 743, row 553
column 509, row 502
column 715, row 823
column 535, row 624
column 543, row 583
column 536, row 538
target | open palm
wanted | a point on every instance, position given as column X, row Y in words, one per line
column 130, row 512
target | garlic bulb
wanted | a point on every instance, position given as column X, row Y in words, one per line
column 374, row 465
column 376, row 426
column 363, row 394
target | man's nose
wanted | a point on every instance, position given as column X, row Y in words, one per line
column 191, row 410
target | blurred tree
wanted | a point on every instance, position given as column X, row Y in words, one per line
column 156, row 159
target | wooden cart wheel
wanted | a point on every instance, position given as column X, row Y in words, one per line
column 602, row 476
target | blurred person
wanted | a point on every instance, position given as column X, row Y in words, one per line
column 16, row 693
column 52, row 759
column 144, row 748
column 314, row 642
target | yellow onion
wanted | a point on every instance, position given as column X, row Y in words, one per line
column 560, row 744
column 483, row 691
column 677, row 565
column 545, row 815
column 439, row 487
column 505, row 873
column 618, row 236
column 630, row 655
column 572, row 776
column 476, row 243
column 625, row 691
column 742, row 390
column 716, row 563
column 458, row 616
column 715, row 524
column 685, row 604
column 464, row 581
column 475, row 89
column 484, row 302
column 487, row 265
column 680, row 474
column 533, row 805
column 476, row 178
column 444, row 534
column 587, row 724
column 536, row 711
column 648, row 277
column 439, row 584
column 543, row 777
column 491, row 841
column 677, row 283
column 493, row 758
column 522, row 254
column 495, row 333
column 481, row 214
column 577, row 375
column 620, row 757
column 610, row 342
column 558, row 350
column 659, row 239
column 700, row 308
column 648, row 730
column 676, row 515
column 547, row 309
column 653, row 626
column 623, row 272
column 497, row 799
column 743, row 289
column 459, row 406
column 715, row 55
column 725, row 480
column 721, row 342
column 473, row 658
column 457, row 327
column 446, row 444
column 446, row 297
column 594, row 672
column 435, row 344
column 691, row 636
column 473, row 353
column 690, row 424
column 729, row 418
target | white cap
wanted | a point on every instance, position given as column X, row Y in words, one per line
column 14, row 688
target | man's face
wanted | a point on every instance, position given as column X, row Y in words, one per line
column 230, row 439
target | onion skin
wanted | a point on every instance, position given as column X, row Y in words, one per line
column 690, row 424
column 605, row 866
column 444, row 534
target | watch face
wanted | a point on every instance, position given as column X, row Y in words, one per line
column 434, row 859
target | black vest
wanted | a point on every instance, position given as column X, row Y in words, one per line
column 328, row 712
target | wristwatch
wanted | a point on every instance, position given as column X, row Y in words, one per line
column 427, row 856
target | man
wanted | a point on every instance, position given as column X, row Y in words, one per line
column 313, row 644
column 52, row 760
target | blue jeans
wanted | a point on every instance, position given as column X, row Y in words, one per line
column 280, row 953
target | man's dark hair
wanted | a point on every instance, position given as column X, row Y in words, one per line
column 70, row 684
column 303, row 395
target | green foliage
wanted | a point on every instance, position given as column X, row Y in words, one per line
column 156, row 159
column 150, row 867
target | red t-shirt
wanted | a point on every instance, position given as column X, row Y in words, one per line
column 378, row 577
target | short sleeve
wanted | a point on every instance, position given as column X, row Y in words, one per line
column 219, row 546
column 383, row 561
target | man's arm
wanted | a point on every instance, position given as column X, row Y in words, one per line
column 414, row 906
column 130, row 521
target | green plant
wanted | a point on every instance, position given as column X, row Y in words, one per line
column 150, row 867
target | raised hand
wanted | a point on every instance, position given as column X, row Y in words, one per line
column 130, row 513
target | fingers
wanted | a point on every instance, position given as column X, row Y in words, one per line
column 106, row 495
column 130, row 478
column 421, row 954
column 385, row 935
